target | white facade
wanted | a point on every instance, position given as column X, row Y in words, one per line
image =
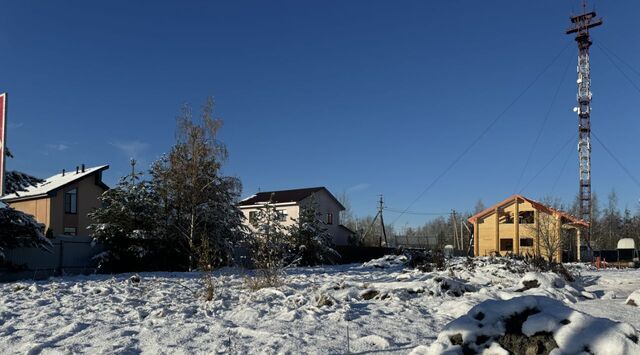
column 325, row 204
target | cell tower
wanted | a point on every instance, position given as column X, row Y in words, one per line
column 581, row 25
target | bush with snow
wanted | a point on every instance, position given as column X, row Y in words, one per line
column 533, row 325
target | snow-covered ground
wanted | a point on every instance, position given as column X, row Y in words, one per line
column 378, row 307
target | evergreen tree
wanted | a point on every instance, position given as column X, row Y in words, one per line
column 312, row 243
column 269, row 246
column 18, row 229
column 198, row 202
column 127, row 223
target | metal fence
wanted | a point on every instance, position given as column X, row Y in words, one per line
column 67, row 255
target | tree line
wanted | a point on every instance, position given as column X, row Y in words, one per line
column 609, row 224
column 183, row 214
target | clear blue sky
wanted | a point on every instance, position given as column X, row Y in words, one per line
column 367, row 97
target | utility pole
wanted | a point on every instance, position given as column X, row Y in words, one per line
column 581, row 25
column 379, row 214
column 455, row 229
column 384, row 232
column 133, row 171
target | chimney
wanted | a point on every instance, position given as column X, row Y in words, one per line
column 83, row 168
column 77, row 169
column 63, row 172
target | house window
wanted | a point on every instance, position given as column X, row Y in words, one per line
column 71, row 201
column 506, row 244
column 526, row 242
column 253, row 217
column 70, row 231
column 282, row 215
column 508, row 217
column 526, row 217
column 329, row 218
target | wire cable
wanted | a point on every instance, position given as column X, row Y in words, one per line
column 394, row 210
column 616, row 160
column 542, row 126
column 572, row 139
column 635, row 86
column 602, row 46
column 482, row 134
column 564, row 165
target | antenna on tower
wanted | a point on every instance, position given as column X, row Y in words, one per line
column 581, row 25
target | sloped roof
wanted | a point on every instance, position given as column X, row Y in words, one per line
column 284, row 196
column 52, row 183
column 537, row 205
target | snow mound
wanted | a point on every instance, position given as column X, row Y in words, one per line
column 387, row 261
column 551, row 285
column 633, row 299
column 533, row 325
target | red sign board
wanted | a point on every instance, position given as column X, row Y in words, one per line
column 3, row 138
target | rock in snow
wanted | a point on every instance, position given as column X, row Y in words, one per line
column 532, row 325
column 634, row 299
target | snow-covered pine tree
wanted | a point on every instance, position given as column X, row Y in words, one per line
column 127, row 223
column 311, row 242
column 269, row 246
column 198, row 201
column 18, row 229
column 16, row 181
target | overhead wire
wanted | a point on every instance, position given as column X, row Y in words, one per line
column 613, row 156
column 564, row 165
column 572, row 139
column 542, row 126
column 482, row 133
column 606, row 54
column 394, row 210
column 602, row 46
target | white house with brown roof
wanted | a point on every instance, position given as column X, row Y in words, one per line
column 62, row 201
column 289, row 202
column 518, row 225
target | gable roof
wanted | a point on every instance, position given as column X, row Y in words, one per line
column 53, row 183
column 285, row 196
column 537, row 205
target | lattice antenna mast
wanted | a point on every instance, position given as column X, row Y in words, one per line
column 581, row 25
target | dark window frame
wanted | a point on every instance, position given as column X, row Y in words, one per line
column 329, row 218
column 526, row 217
column 505, row 243
column 71, row 201
column 282, row 215
column 529, row 242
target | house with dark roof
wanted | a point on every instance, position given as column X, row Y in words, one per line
column 522, row 226
column 289, row 202
column 62, row 201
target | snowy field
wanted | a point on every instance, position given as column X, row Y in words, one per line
column 378, row 307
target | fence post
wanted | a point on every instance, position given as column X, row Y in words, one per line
column 61, row 257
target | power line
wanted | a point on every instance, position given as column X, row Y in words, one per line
column 572, row 139
column 564, row 165
column 482, row 134
column 394, row 210
column 602, row 46
column 542, row 126
column 635, row 86
column 616, row 160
